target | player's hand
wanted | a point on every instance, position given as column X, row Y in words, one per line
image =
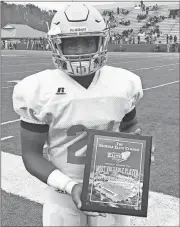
column 76, row 197
column 139, row 132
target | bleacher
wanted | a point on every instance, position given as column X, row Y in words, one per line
column 167, row 26
column 134, row 24
column 175, row 28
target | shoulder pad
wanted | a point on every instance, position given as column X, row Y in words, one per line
column 29, row 98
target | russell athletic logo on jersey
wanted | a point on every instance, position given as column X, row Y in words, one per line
column 60, row 91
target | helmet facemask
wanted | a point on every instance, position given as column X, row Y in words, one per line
column 83, row 64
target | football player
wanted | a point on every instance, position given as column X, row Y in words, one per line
column 55, row 106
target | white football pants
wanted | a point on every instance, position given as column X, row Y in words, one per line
column 60, row 210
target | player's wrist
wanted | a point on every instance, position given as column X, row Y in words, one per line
column 60, row 181
column 70, row 186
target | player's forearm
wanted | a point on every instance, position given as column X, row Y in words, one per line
column 46, row 172
column 37, row 165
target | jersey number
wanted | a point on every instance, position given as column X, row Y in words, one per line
column 72, row 149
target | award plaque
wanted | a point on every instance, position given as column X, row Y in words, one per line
column 116, row 175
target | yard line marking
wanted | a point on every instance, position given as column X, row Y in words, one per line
column 8, row 122
column 8, row 87
column 158, row 66
column 24, row 72
column 147, row 56
column 147, row 59
column 12, row 81
column 22, row 183
column 6, row 138
column 132, row 54
column 25, row 61
column 140, row 60
column 13, row 55
column 27, row 64
column 162, row 85
column 147, row 53
column 134, row 57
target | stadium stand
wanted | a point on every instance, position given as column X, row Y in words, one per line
column 158, row 22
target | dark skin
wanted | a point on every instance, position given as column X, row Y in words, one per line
column 80, row 45
column 85, row 81
column 32, row 141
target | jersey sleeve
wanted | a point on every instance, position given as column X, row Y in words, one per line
column 135, row 92
column 29, row 100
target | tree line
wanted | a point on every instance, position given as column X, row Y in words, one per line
column 28, row 14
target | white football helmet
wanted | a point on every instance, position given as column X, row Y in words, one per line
column 78, row 20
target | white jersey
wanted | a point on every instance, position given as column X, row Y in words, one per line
column 52, row 97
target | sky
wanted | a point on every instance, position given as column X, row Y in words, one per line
column 50, row 5
column 56, row 4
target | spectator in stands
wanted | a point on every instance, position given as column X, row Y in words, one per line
column 143, row 7
column 130, row 40
column 117, row 10
column 153, row 37
column 141, row 3
column 113, row 39
column 10, row 45
column 147, row 39
column 167, row 39
column 175, row 39
column 138, row 39
column 147, row 10
column 141, row 17
column 110, row 39
column 126, row 39
column 119, row 39
column 133, row 39
column 170, row 38
column 150, row 38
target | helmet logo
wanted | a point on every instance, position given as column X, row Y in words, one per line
column 57, row 23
